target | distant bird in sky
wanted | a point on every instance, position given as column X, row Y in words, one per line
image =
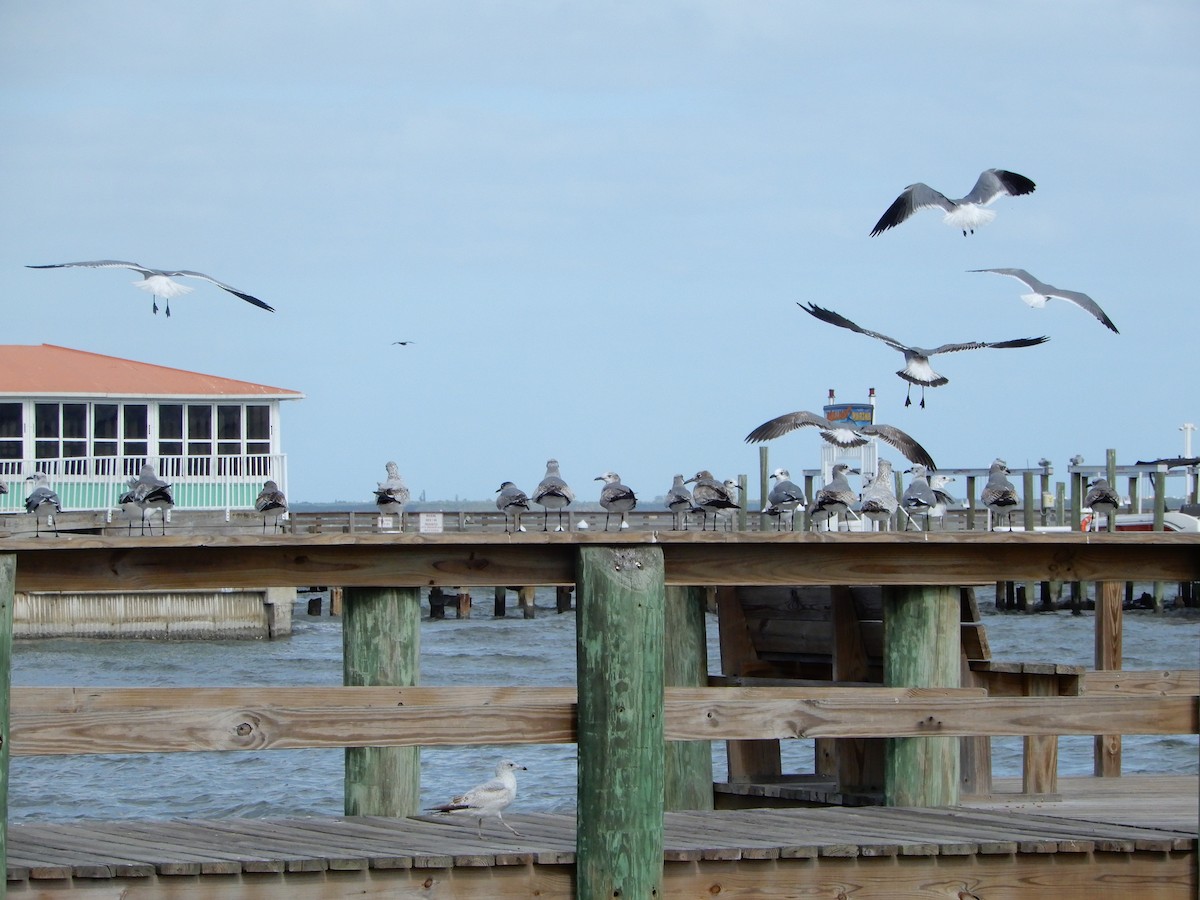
column 391, row 496
column 834, row 498
column 879, row 501
column 403, row 343
column 680, row 503
column 917, row 369
column 1102, row 499
column 615, row 498
column 842, row 434
column 999, row 495
column 271, row 501
column 158, row 281
column 918, row 497
column 1042, row 292
column 966, row 213
column 42, row 501
column 784, row 497
column 553, row 493
column 511, row 500
column 488, row 799
column 711, row 496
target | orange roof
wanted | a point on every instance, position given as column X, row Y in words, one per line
column 46, row 369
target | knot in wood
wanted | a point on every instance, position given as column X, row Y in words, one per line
column 244, row 729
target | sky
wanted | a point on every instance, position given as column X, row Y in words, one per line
column 595, row 222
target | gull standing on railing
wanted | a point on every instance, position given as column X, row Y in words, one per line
column 271, row 500
column 510, row 499
column 879, row 497
column 391, row 496
column 553, row 493
column 1102, row 499
column 679, row 502
column 615, row 498
column 999, row 495
column 918, row 497
column 711, row 496
column 834, row 499
column 42, row 502
column 784, row 497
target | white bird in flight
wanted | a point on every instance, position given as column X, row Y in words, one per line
column 842, row 434
column 967, row 212
column 158, row 281
column 488, row 799
column 1042, row 292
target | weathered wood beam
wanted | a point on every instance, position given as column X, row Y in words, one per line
column 1109, row 638
column 7, row 580
column 688, row 765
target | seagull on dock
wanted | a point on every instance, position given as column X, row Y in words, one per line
column 943, row 500
column 966, row 213
column 510, row 499
column 1042, row 293
column 158, row 282
column 552, row 493
column 43, row 502
column 1102, row 499
column 271, row 501
column 784, row 497
column 488, row 799
column 835, row 498
column 918, row 497
column 146, row 494
column 391, row 496
column 999, row 495
column 680, row 503
column 917, row 369
column 711, row 496
column 879, row 501
column 615, row 497
column 844, row 434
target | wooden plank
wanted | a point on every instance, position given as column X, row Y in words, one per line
column 1106, row 747
column 746, row 761
column 8, row 564
column 688, row 766
column 1039, row 764
column 1184, row 682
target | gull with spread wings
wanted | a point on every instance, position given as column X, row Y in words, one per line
column 1041, row 293
column 842, row 434
column 967, row 213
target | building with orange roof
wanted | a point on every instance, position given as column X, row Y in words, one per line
column 91, row 421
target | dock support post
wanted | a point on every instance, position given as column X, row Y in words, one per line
column 1106, row 754
column 526, row 595
column 921, row 647
column 500, row 593
column 8, row 575
column 381, row 645
column 619, row 652
column 688, row 764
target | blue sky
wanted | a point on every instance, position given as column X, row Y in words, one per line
column 596, row 221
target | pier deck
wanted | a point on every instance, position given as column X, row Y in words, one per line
column 1132, row 836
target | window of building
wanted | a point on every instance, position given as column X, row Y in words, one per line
column 46, row 430
column 229, row 430
column 104, row 429
column 135, row 429
column 10, row 431
column 258, row 428
column 170, row 429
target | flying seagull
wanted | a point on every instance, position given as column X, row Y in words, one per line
column 488, row 799
column 158, row 281
column 842, row 434
column 967, row 212
column 1042, row 292
column 402, row 343
column 917, row 369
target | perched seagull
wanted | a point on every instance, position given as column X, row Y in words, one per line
column 158, row 281
column 918, row 496
column 943, row 499
column 835, row 498
column 147, row 493
column 552, row 493
column 999, row 495
column 1102, row 499
column 391, row 496
column 615, row 497
column 732, row 488
column 511, row 499
column 967, row 212
column 784, row 497
column 917, row 369
column 679, row 502
column 711, row 496
column 132, row 503
column 879, row 497
column 42, row 502
column 488, row 799
column 1043, row 292
column 271, row 500
column 842, row 434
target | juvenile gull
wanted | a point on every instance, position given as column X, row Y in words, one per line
column 615, row 498
column 842, row 434
column 711, row 496
column 488, row 799
column 1102, row 499
column 879, row 497
column 511, row 500
column 918, row 497
column 1043, row 292
column 271, row 501
column 999, row 495
column 967, row 213
column 679, row 502
column 158, row 281
column 552, row 493
column 942, row 498
column 834, row 499
column 784, row 497
column 391, row 496
column 42, row 502
column 917, row 369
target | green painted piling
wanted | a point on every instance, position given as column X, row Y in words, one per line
column 970, row 502
column 1160, row 513
column 1111, row 476
column 743, row 501
column 921, row 649
column 8, row 572
column 764, row 486
column 381, row 645
column 689, row 772
column 620, row 659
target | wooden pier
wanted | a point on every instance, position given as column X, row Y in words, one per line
column 636, row 705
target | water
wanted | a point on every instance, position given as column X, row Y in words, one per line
column 479, row 651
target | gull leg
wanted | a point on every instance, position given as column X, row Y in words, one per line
column 506, row 825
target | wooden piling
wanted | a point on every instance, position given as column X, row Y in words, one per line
column 921, row 647
column 500, row 602
column 970, row 502
column 1109, row 619
column 688, row 782
column 381, row 643
column 462, row 604
column 8, row 568
column 619, row 649
column 525, row 596
column 437, row 603
column 764, row 486
column 562, row 598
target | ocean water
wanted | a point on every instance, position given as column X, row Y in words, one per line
column 482, row 651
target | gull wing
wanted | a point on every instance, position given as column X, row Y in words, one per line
column 828, row 315
column 993, row 183
column 781, row 425
column 903, row 442
column 985, row 345
column 1083, row 301
column 242, row 294
column 915, row 196
column 98, row 264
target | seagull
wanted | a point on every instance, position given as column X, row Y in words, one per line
column 392, row 495
column 835, row 498
column 711, row 495
column 511, row 499
column 967, row 212
column 158, row 281
column 842, row 434
column 679, row 502
column 552, row 493
column 132, row 503
column 917, row 369
column 1043, row 292
column 785, row 495
column 999, row 495
column 271, row 500
column 943, row 500
column 402, row 343
column 1102, row 498
column 147, row 493
column 42, row 502
column 918, row 496
column 879, row 497
column 615, row 497
column 488, row 799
